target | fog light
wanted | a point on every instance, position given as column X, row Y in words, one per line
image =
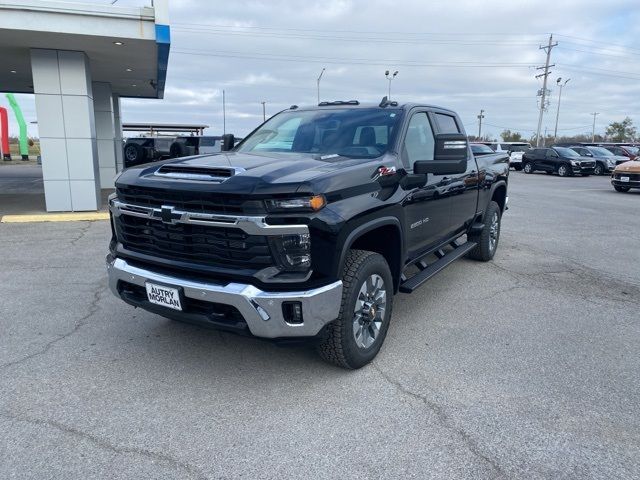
column 292, row 312
column 292, row 252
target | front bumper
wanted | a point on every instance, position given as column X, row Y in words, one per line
column 631, row 183
column 262, row 311
column 583, row 170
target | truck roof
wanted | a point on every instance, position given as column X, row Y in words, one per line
column 354, row 104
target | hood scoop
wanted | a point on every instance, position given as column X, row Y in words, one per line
column 198, row 172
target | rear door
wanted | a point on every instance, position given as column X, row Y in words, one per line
column 462, row 187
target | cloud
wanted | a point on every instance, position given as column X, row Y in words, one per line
column 467, row 56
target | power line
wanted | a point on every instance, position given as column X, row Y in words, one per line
column 347, row 61
column 355, row 32
column 501, row 43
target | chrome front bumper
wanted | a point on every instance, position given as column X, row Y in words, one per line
column 262, row 311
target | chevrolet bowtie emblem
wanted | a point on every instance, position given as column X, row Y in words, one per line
column 169, row 215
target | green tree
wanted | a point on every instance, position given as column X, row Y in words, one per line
column 509, row 136
column 621, row 131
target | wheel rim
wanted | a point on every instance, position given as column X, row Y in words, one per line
column 369, row 311
column 598, row 170
column 562, row 170
column 494, row 231
column 527, row 168
column 130, row 153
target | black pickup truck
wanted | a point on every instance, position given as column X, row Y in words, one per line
column 309, row 226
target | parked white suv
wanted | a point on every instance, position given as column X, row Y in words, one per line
column 514, row 149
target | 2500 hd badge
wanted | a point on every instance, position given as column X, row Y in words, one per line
column 306, row 229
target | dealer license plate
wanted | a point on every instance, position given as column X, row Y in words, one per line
column 624, row 179
column 165, row 296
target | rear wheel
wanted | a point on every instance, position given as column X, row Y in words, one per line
column 528, row 167
column 176, row 150
column 355, row 337
column 134, row 154
column 487, row 239
column 564, row 170
column 621, row 189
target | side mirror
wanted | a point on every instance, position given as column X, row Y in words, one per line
column 450, row 155
column 228, row 141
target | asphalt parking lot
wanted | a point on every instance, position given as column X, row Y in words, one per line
column 526, row 367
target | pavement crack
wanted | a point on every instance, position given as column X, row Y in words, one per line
column 83, row 231
column 79, row 323
column 445, row 421
column 106, row 445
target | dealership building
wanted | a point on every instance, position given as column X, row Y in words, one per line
column 79, row 60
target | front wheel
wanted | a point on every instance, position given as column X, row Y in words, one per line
column 621, row 189
column 487, row 239
column 599, row 170
column 355, row 337
column 528, row 167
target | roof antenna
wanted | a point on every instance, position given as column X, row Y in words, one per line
column 384, row 102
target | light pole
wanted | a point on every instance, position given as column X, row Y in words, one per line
column 558, row 82
column 390, row 78
column 264, row 112
column 318, row 82
column 593, row 130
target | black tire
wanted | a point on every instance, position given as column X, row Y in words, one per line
column 621, row 189
column 599, row 170
column 486, row 248
column 517, row 168
column 564, row 170
column 177, row 150
column 527, row 167
column 338, row 344
column 134, row 154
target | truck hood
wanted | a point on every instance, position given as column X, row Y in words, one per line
column 265, row 173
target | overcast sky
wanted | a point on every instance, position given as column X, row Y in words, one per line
column 465, row 55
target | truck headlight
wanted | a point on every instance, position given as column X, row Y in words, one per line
column 575, row 164
column 292, row 252
column 305, row 204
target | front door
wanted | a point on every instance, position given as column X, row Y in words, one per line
column 426, row 207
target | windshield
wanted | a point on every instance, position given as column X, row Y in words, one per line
column 566, row 152
column 632, row 150
column 520, row 147
column 353, row 132
column 479, row 148
column 600, row 152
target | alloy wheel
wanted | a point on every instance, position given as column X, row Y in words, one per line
column 494, row 231
column 369, row 311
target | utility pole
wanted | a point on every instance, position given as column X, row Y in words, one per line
column 224, row 115
column 264, row 112
column 480, row 117
column 544, row 139
column 319, row 78
column 543, row 94
column 593, row 130
column 555, row 132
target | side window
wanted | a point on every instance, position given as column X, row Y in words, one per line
column 419, row 143
column 446, row 123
